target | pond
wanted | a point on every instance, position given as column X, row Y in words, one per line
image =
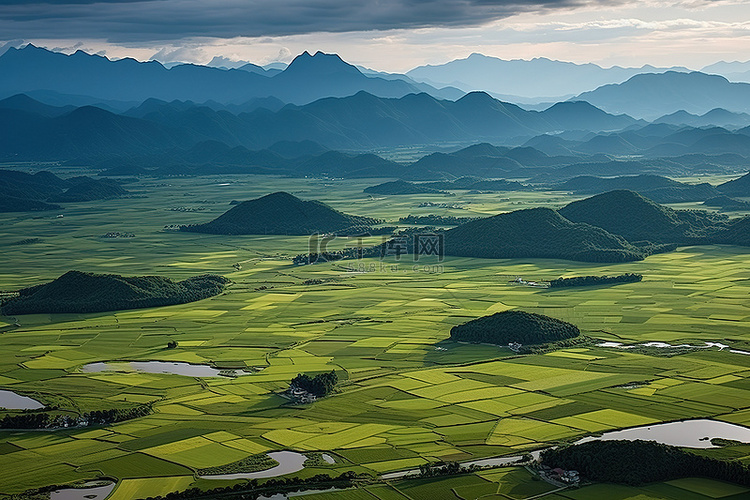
column 12, row 401
column 687, row 433
column 289, row 461
column 97, row 490
column 173, row 368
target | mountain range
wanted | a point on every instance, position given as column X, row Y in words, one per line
column 360, row 122
column 307, row 78
column 520, row 80
column 650, row 96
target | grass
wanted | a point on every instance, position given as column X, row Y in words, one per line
column 408, row 394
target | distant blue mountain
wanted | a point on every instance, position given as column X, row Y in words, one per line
column 307, row 78
column 359, row 122
column 537, row 78
column 651, row 96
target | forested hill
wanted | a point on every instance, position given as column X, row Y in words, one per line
column 539, row 233
column 282, row 213
column 514, row 326
column 23, row 192
column 80, row 292
column 641, row 462
column 630, row 215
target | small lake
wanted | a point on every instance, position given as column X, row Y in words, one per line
column 96, row 491
column 12, row 401
column 173, row 368
column 687, row 433
column 289, row 461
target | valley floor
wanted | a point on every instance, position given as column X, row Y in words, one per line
column 408, row 395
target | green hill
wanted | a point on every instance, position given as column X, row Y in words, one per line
column 79, row 292
column 13, row 204
column 655, row 187
column 540, row 233
column 628, row 214
column 737, row 232
column 22, row 192
column 726, row 203
column 401, row 187
column 514, row 326
column 283, row 213
column 737, row 187
column 87, row 189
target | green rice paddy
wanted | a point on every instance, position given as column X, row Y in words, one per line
column 408, row 395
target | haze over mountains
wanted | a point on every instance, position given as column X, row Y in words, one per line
column 307, row 78
column 320, row 116
column 538, row 79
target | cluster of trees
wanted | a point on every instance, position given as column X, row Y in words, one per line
column 436, row 220
column 639, row 462
column 253, row 463
column 46, row 420
column 253, row 489
column 595, row 280
column 514, row 326
column 79, row 292
column 320, row 385
column 402, row 187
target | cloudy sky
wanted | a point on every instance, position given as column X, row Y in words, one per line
column 389, row 35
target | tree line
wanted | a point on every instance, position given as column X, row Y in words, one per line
column 45, row 420
column 635, row 463
column 595, row 280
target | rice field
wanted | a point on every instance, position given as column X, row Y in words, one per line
column 408, row 395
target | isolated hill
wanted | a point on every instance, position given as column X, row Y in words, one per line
column 23, row 192
column 539, row 77
column 737, row 187
column 538, row 233
column 282, row 213
column 401, row 187
column 630, row 215
column 307, row 78
column 655, row 187
column 14, row 204
column 87, row 189
column 514, row 326
column 726, row 203
column 651, row 96
column 39, row 186
column 80, row 292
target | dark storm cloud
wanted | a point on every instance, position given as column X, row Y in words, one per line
column 126, row 20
